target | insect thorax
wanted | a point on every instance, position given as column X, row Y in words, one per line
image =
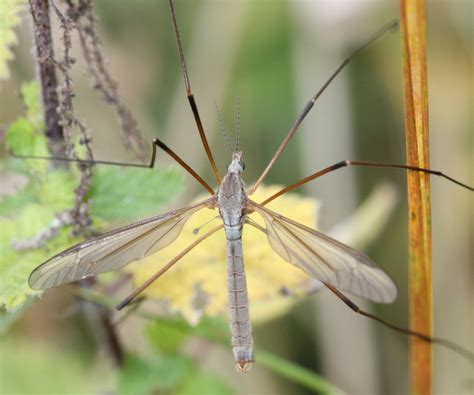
column 232, row 200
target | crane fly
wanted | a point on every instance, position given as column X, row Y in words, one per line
column 318, row 255
column 337, row 266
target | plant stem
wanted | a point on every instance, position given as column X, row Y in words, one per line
column 413, row 25
column 47, row 75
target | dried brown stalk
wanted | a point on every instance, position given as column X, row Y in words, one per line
column 47, row 75
column 80, row 212
column 413, row 26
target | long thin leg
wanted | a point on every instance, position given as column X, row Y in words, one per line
column 155, row 143
column 132, row 309
column 189, row 94
column 346, row 163
column 160, row 272
column 188, row 168
column 435, row 340
column 311, row 102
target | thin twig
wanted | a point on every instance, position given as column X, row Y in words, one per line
column 69, row 121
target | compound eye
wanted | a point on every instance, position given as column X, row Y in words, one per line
column 242, row 164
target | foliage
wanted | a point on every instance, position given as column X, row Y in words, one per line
column 130, row 192
column 166, row 373
column 141, row 376
column 9, row 19
column 34, row 369
column 169, row 368
column 115, row 192
column 175, row 331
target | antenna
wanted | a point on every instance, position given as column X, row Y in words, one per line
column 223, row 129
column 237, row 125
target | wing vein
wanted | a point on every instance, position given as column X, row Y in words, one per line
column 113, row 249
column 326, row 259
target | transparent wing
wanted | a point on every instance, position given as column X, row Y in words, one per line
column 112, row 250
column 326, row 259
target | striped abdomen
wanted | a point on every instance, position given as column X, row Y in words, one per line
column 240, row 327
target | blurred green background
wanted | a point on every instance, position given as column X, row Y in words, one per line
column 273, row 56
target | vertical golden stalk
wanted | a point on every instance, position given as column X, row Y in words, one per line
column 413, row 26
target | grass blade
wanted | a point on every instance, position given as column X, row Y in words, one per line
column 295, row 373
column 413, row 26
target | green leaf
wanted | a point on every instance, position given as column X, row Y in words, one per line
column 141, row 376
column 9, row 204
column 213, row 328
column 25, row 135
column 16, row 266
column 31, row 211
column 28, row 368
column 167, row 338
column 18, row 195
column 9, row 19
column 124, row 193
column 8, row 319
column 204, row 383
column 31, row 95
column 216, row 328
column 22, row 138
column 57, row 190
